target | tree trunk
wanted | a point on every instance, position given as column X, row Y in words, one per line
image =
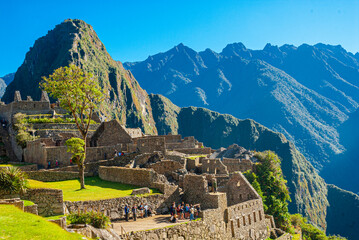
column 82, row 175
column 82, row 168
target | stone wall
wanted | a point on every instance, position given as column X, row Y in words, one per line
column 92, row 167
column 114, row 208
column 49, row 201
column 192, row 230
column 37, row 152
column 151, row 144
column 213, row 166
column 12, row 201
column 239, row 190
column 235, row 165
column 213, row 225
column 195, row 151
column 195, row 189
column 165, row 167
column 143, row 178
column 110, row 133
column 246, row 220
column 135, row 176
column 51, row 176
column 31, row 209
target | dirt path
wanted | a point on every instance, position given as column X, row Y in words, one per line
column 157, row 221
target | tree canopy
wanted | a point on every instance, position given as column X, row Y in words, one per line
column 79, row 93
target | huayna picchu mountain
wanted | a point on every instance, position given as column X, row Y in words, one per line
column 75, row 41
column 304, row 92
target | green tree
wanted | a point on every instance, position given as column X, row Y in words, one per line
column 76, row 147
column 268, row 179
column 79, row 93
column 22, row 128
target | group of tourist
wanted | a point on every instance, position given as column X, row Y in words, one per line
column 56, row 164
column 184, row 211
column 143, row 211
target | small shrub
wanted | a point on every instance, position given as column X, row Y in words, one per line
column 13, row 180
column 98, row 220
column 22, row 127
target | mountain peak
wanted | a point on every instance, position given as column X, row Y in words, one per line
column 75, row 42
column 236, row 49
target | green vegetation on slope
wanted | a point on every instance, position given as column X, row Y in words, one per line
column 18, row 225
column 310, row 232
column 96, row 189
column 268, row 180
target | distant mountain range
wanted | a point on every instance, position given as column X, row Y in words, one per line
column 304, row 92
column 249, row 86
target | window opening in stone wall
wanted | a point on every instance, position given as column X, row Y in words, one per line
column 238, row 223
column 244, row 220
column 249, row 219
column 254, row 217
column 260, row 215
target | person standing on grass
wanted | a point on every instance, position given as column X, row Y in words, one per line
column 127, row 210
column 134, row 212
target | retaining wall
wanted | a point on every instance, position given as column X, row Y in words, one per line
column 49, row 201
column 114, row 208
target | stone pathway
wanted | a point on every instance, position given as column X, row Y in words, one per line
column 157, row 221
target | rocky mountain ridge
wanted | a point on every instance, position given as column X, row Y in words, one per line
column 304, row 92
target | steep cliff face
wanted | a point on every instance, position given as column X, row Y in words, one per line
column 344, row 167
column 75, row 41
column 308, row 190
column 343, row 212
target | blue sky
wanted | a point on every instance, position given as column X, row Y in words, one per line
column 133, row 30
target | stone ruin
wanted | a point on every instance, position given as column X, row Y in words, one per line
column 182, row 169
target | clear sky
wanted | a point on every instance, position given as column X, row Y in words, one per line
column 133, row 30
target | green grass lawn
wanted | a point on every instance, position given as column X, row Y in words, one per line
column 96, row 189
column 27, row 203
column 16, row 224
